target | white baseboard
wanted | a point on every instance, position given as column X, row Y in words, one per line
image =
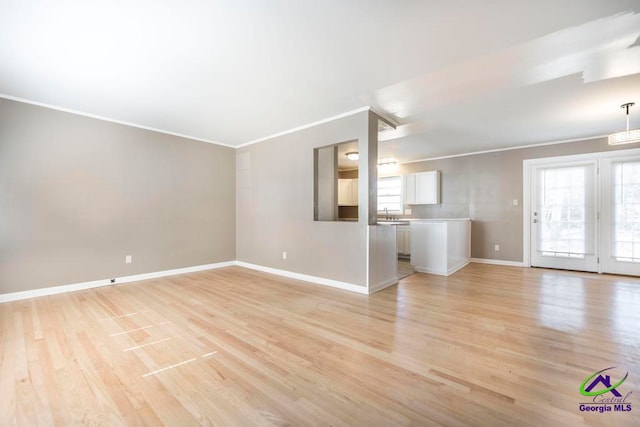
column 15, row 296
column 305, row 277
column 455, row 268
column 53, row 290
column 497, row 262
column 383, row 285
column 430, row 271
column 441, row 272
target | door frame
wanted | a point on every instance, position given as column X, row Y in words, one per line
column 527, row 165
column 590, row 261
column 609, row 264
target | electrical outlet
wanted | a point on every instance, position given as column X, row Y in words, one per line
column 515, row 202
column 284, row 255
column 128, row 259
column 407, row 211
column 496, row 248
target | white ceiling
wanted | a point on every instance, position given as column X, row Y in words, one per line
column 458, row 76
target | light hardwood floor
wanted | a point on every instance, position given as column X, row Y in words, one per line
column 487, row 346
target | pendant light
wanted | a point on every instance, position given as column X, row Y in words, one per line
column 628, row 136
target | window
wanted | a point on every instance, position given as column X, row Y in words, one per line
column 563, row 212
column 390, row 194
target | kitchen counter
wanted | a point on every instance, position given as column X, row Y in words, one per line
column 408, row 221
column 438, row 219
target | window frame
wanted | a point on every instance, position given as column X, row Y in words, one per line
column 400, row 194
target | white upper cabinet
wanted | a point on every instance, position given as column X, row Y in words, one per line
column 428, row 188
column 422, row 188
column 347, row 192
column 409, row 189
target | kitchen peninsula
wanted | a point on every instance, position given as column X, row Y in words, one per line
column 440, row 246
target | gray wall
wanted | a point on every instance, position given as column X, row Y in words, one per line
column 482, row 187
column 78, row 194
column 275, row 205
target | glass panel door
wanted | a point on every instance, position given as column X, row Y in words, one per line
column 564, row 216
column 621, row 215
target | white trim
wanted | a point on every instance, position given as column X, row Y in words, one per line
column 53, row 290
column 526, row 214
column 533, row 166
column 496, row 150
column 122, row 122
column 435, row 271
column 497, row 262
column 571, row 158
column 108, row 119
column 305, row 277
column 288, row 131
column 384, row 117
column 441, row 272
column 460, row 266
column 609, row 263
column 382, row 285
column 367, row 260
column 308, row 125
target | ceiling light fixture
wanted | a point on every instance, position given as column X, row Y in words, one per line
column 387, row 164
column 391, row 163
column 628, row 136
column 353, row 155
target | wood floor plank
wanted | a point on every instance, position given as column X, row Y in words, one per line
column 489, row 345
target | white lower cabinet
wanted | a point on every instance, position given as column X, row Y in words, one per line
column 440, row 246
column 404, row 239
